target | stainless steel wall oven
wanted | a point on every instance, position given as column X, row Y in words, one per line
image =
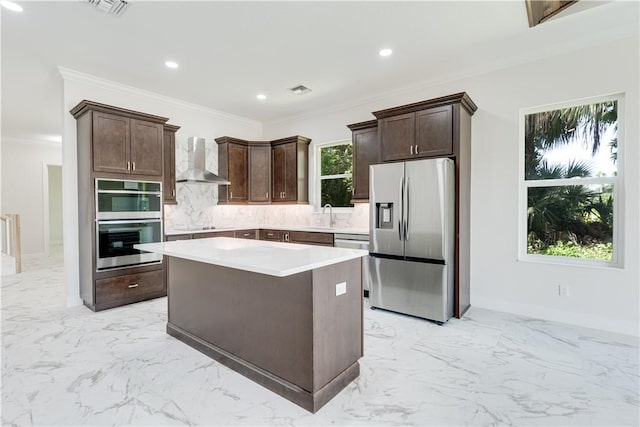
column 127, row 213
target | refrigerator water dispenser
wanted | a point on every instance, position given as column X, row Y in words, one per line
column 384, row 215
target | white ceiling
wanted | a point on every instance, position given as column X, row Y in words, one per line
column 230, row 51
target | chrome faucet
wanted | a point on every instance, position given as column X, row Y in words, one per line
column 331, row 221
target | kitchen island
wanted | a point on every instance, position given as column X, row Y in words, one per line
column 287, row 316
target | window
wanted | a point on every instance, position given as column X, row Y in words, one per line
column 571, row 183
column 334, row 166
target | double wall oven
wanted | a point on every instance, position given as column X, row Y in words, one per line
column 127, row 213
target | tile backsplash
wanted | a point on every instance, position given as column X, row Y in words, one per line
column 197, row 206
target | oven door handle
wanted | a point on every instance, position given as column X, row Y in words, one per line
column 127, row 221
column 156, row 193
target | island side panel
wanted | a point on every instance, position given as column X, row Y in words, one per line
column 337, row 321
column 262, row 319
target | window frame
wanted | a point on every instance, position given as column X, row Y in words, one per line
column 617, row 182
column 317, row 177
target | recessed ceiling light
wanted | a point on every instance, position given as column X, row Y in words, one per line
column 261, row 96
column 11, row 6
column 385, row 52
column 171, row 64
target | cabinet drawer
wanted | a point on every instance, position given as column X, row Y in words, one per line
column 273, row 235
column 311, row 238
column 175, row 237
column 213, row 234
column 245, row 234
column 129, row 288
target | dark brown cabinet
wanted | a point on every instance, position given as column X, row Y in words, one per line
column 424, row 133
column 272, row 235
column 246, row 234
column 111, row 143
column 290, row 165
column 125, row 145
column 233, row 165
column 311, row 238
column 228, row 233
column 259, row 173
column 263, row 172
column 439, row 127
column 169, row 170
column 434, row 132
column 119, row 290
column 364, row 138
column 115, row 143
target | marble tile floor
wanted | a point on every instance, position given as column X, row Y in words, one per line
column 69, row 366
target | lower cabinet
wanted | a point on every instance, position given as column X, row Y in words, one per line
column 272, row 235
column 303, row 237
column 214, row 234
column 130, row 288
column 311, row 238
column 246, row 234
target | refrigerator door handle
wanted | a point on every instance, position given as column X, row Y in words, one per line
column 401, row 215
column 405, row 209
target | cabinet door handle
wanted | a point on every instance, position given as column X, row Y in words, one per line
column 266, row 195
column 231, row 194
column 128, row 166
column 416, row 149
column 412, row 150
column 133, row 285
column 134, row 165
column 286, row 237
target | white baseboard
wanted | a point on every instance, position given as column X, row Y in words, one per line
column 579, row 319
column 74, row 301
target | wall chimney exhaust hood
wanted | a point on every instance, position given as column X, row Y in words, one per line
column 196, row 166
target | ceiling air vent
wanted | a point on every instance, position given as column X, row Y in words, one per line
column 300, row 90
column 113, row 7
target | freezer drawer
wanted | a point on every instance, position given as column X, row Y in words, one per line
column 415, row 288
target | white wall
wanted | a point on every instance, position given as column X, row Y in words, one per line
column 605, row 298
column 22, row 186
column 55, row 205
column 194, row 121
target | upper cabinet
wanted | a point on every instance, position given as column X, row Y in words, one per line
column 122, row 141
column 263, row 172
column 290, row 165
column 259, row 172
column 169, row 171
column 233, row 165
column 423, row 129
column 365, row 153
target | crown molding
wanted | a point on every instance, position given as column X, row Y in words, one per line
column 19, row 140
column 408, row 91
column 69, row 74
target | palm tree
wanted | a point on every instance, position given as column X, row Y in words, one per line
column 572, row 210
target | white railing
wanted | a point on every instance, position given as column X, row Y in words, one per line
column 11, row 238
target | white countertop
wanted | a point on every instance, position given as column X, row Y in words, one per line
column 308, row 228
column 259, row 256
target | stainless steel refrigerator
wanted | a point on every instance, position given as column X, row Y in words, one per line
column 411, row 237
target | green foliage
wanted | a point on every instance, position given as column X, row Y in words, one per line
column 336, row 192
column 603, row 251
column 336, row 160
column 569, row 220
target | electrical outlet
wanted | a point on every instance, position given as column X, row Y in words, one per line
column 564, row 290
column 341, row 288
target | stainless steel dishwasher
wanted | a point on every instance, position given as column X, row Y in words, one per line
column 356, row 241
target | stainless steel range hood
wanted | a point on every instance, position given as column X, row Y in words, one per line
column 197, row 167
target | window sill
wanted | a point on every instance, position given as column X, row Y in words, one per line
column 570, row 262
